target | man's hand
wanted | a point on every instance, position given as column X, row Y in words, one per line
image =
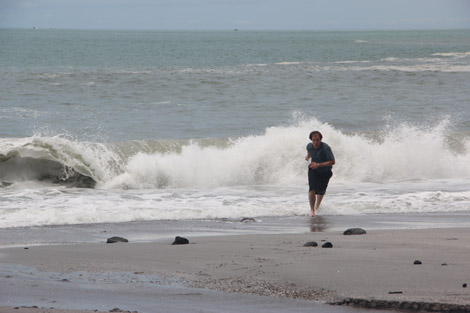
column 313, row 165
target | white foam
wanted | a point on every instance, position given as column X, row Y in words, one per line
column 287, row 63
column 41, row 205
column 22, row 112
column 346, row 62
column 403, row 152
column 453, row 54
column 449, row 68
column 391, row 59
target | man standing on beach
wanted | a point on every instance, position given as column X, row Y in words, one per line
column 319, row 170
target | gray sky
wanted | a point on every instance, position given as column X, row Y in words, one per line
column 241, row 14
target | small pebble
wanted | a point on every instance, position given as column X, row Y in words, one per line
column 311, row 244
column 417, row 262
column 327, row 245
column 464, row 285
column 116, row 239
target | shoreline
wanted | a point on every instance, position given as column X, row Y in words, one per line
column 164, row 230
column 375, row 270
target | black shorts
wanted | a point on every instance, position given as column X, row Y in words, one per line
column 318, row 181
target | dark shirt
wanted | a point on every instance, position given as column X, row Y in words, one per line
column 320, row 155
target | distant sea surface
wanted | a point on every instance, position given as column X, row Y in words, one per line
column 175, row 125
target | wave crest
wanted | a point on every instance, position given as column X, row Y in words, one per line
column 276, row 157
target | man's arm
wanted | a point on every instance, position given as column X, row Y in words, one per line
column 315, row 165
column 327, row 163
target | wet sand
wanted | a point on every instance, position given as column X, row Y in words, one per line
column 372, row 270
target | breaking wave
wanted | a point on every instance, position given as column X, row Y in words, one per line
column 276, row 157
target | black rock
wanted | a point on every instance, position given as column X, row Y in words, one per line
column 417, row 262
column 464, row 285
column 311, row 244
column 354, row 231
column 247, row 219
column 116, row 239
column 180, row 241
column 327, row 245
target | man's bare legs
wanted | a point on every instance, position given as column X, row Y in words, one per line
column 318, row 202
column 315, row 201
column 311, row 199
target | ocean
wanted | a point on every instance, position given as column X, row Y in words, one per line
column 212, row 125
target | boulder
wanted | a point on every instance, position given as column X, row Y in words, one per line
column 354, row 231
column 180, row 241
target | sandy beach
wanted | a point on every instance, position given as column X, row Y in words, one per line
column 374, row 270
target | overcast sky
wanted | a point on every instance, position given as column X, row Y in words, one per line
column 240, row 14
